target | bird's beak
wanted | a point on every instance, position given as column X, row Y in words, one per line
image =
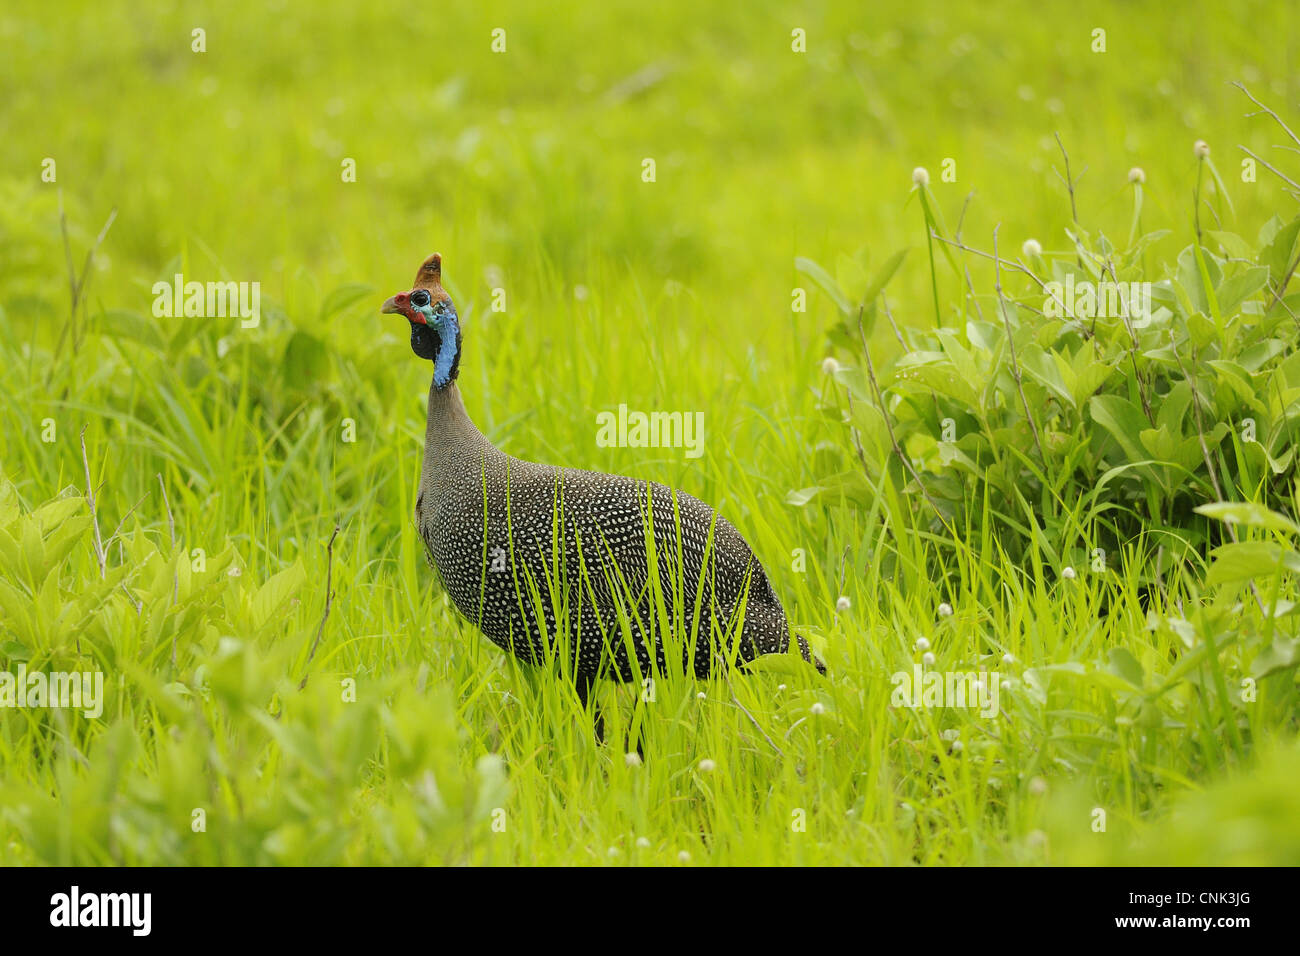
column 400, row 304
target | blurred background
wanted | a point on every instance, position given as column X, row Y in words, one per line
column 524, row 167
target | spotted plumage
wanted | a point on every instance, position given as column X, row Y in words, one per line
column 534, row 553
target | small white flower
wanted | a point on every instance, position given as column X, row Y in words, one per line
column 1137, row 175
column 643, row 843
column 1068, row 573
column 234, row 571
column 843, row 604
column 922, row 644
column 920, row 176
column 779, row 688
column 945, row 609
column 632, row 759
column 707, row 766
column 1201, row 148
column 683, row 857
column 949, row 735
column 1032, row 249
column 829, row 365
column 817, row 708
column 701, row 696
column 580, row 293
column 612, row 852
column 1008, row 658
column 927, row 659
column 957, row 746
column 1038, row 786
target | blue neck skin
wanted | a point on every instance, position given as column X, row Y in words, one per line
column 446, row 356
column 442, row 318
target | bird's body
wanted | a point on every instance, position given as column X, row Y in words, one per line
column 528, row 552
column 556, row 564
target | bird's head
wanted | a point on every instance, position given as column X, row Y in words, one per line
column 435, row 327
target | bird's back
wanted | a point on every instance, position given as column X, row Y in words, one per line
column 530, row 552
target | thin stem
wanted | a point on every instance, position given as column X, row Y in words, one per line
column 1015, row 364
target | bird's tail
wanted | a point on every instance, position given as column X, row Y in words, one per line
column 806, row 653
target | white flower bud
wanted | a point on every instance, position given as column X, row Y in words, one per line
column 920, row 176
column 829, row 365
column 945, row 609
column 1032, row 249
column 707, row 766
column 927, row 659
column 922, row 644
column 1137, row 175
column 632, row 759
column 1201, row 148
column 817, row 708
column 1068, row 573
column 842, row 604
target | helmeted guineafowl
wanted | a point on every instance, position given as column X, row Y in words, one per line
column 530, row 552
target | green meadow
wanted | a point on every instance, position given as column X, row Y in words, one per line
column 674, row 208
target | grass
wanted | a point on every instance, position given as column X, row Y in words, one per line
column 414, row 739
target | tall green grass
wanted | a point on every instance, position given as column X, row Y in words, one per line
column 413, row 738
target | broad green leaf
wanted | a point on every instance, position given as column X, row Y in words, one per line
column 1249, row 513
column 1123, row 420
column 1123, row 664
column 1230, row 244
column 1245, row 560
column 1236, row 290
column 881, row 278
column 1280, row 252
column 1191, row 280
column 823, row 278
column 275, row 593
column 1283, row 653
column 856, row 381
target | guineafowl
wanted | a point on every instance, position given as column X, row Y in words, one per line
column 543, row 558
